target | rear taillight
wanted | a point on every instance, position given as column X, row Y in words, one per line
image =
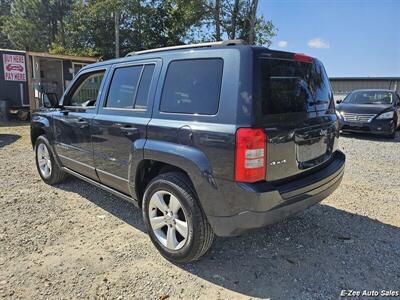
column 303, row 58
column 251, row 155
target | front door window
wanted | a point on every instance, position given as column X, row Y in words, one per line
column 86, row 91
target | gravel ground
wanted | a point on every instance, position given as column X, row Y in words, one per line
column 76, row 241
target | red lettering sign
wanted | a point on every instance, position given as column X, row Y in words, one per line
column 14, row 67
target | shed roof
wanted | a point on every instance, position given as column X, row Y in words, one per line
column 62, row 56
column 365, row 78
column 56, row 56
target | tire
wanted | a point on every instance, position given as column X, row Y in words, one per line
column 182, row 246
column 392, row 135
column 44, row 153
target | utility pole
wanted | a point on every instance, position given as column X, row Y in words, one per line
column 253, row 19
column 217, row 19
column 116, row 21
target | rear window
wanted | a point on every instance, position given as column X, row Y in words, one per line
column 288, row 86
column 192, row 86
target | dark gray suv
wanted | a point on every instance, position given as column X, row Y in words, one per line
column 206, row 139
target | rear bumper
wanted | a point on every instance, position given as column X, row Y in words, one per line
column 279, row 201
column 375, row 126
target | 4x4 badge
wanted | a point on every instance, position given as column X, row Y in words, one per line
column 277, row 162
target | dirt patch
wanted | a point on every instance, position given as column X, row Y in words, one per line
column 76, row 241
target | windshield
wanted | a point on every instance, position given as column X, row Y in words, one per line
column 369, row 97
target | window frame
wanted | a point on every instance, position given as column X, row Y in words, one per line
column 113, row 70
column 78, row 79
column 77, row 63
column 149, row 89
column 192, row 114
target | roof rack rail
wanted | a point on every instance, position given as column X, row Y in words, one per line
column 190, row 46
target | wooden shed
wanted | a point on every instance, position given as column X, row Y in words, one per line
column 25, row 76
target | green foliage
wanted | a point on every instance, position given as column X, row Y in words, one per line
column 143, row 25
column 264, row 31
column 5, row 9
column 33, row 24
column 87, row 28
column 235, row 19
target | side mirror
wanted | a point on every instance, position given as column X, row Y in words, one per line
column 50, row 100
column 338, row 101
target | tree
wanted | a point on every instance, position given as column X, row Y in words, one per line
column 88, row 27
column 35, row 24
column 239, row 20
column 5, row 10
column 143, row 25
column 217, row 18
column 252, row 21
column 232, row 25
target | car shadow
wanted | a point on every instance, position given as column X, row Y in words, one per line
column 7, row 139
column 14, row 123
column 311, row 256
column 315, row 254
column 372, row 137
column 123, row 210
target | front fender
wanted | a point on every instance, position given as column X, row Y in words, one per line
column 39, row 125
column 42, row 124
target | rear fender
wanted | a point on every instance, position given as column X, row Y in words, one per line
column 191, row 160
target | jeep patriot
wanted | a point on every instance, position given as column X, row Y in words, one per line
column 208, row 139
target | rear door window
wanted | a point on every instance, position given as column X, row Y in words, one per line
column 123, row 87
column 144, row 87
column 192, row 86
column 288, row 86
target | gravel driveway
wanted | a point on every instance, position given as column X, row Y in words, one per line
column 76, row 241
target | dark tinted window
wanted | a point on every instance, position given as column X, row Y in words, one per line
column 286, row 86
column 86, row 90
column 319, row 83
column 192, row 86
column 369, row 97
column 123, row 87
column 144, row 87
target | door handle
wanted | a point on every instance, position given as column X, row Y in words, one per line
column 82, row 123
column 128, row 130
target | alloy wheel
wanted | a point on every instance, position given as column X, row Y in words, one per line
column 168, row 220
column 44, row 161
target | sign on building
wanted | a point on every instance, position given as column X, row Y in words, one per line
column 14, row 67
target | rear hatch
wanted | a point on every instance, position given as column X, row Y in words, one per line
column 293, row 102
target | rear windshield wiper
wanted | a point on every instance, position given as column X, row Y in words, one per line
column 319, row 102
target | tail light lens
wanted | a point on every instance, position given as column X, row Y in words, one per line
column 251, row 155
